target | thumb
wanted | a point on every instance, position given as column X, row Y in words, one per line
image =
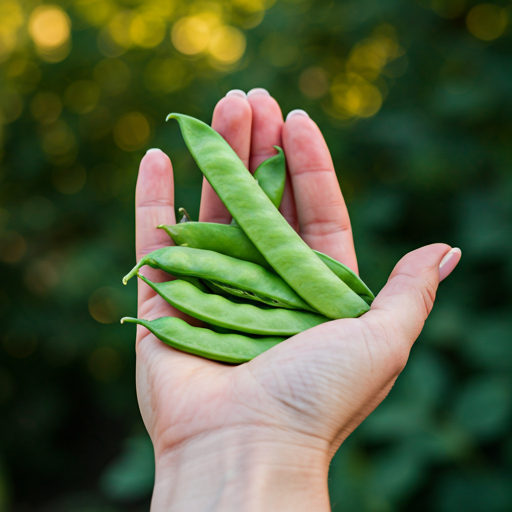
column 404, row 304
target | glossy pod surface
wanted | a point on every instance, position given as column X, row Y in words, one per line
column 232, row 241
column 268, row 230
column 219, row 311
column 231, row 348
column 260, row 284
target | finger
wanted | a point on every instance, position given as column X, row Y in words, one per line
column 404, row 304
column 154, row 205
column 324, row 223
column 267, row 126
column 232, row 118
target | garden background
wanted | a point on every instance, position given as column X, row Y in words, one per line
column 415, row 100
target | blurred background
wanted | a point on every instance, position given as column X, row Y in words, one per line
column 415, row 100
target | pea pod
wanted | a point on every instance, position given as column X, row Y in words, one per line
column 267, row 229
column 231, row 348
column 219, row 311
column 232, row 241
column 259, row 283
column 271, row 177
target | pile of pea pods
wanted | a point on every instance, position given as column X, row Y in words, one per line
column 253, row 283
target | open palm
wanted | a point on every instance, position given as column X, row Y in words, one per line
column 303, row 397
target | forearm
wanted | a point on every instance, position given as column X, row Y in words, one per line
column 236, row 471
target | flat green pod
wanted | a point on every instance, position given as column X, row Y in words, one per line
column 219, row 311
column 255, row 281
column 230, row 348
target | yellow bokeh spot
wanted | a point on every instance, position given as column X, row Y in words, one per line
column 369, row 56
column 191, row 35
column 132, row 131
column 82, row 96
column 487, row 21
column 119, row 29
column 147, row 30
column 164, row 75
column 49, row 27
column 227, row 45
column 353, row 96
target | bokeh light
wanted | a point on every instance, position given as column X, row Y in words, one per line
column 227, row 45
column 191, row 35
column 352, row 96
column 50, row 29
column 147, row 30
column 487, row 21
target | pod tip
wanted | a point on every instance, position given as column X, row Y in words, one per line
column 171, row 116
column 129, row 320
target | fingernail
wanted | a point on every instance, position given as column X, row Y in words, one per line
column 297, row 112
column 258, row 90
column 152, row 150
column 237, row 92
column 449, row 262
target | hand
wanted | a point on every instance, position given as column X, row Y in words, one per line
column 260, row 436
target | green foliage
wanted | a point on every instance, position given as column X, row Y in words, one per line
column 414, row 100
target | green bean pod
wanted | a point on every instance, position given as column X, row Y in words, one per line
column 217, row 310
column 259, row 283
column 271, row 177
column 231, row 348
column 267, row 229
column 232, row 241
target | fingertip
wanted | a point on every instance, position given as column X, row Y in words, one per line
column 449, row 262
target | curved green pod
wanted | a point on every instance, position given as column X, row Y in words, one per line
column 231, row 348
column 271, row 176
column 219, row 311
column 267, row 229
column 232, row 241
column 257, row 282
column 210, row 236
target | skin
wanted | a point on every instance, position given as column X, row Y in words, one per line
column 260, row 436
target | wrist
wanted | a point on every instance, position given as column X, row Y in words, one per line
column 243, row 470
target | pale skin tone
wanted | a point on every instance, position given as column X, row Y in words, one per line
column 260, row 436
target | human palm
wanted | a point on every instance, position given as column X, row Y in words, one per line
column 312, row 390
